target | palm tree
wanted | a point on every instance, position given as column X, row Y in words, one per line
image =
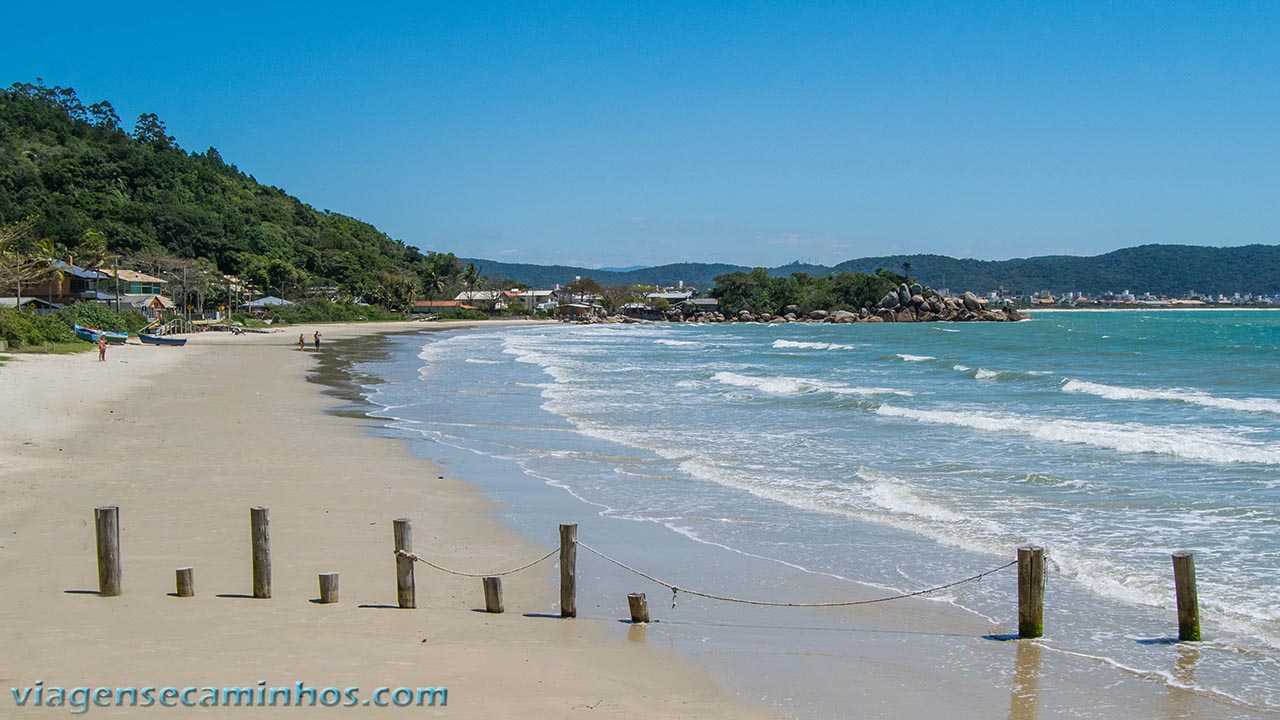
column 434, row 282
column 471, row 277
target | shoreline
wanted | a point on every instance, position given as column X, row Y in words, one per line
column 234, row 424
column 797, row 667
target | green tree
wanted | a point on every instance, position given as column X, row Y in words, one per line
column 23, row 259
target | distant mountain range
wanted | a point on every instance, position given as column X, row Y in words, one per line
column 1160, row 269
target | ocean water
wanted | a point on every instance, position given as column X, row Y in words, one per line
column 851, row 452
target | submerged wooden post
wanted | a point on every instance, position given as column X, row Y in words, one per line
column 1030, row 591
column 260, row 527
column 493, row 595
column 569, row 570
column 328, row 587
column 186, row 582
column 639, row 607
column 106, row 523
column 1184, row 584
column 406, row 591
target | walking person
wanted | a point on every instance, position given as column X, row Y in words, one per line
column 317, row 338
column 302, row 342
column 102, row 347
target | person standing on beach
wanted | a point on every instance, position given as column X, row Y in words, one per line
column 317, row 338
column 102, row 347
column 302, row 342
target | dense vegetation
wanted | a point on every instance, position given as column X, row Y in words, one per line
column 1160, row 269
column 75, row 170
column 760, row 292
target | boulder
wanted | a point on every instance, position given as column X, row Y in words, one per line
column 791, row 310
column 745, row 316
column 776, row 320
column 766, row 317
column 1013, row 315
column 971, row 302
column 917, row 300
column 873, row 319
column 864, row 313
column 889, row 301
column 790, row 317
column 927, row 316
column 916, row 289
column 886, row 315
column 904, row 294
column 906, row 314
column 818, row 315
column 843, row 316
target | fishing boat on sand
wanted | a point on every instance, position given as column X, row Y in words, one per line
column 161, row 340
column 89, row 334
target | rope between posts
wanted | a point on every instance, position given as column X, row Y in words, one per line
column 676, row 589
column 424, row 561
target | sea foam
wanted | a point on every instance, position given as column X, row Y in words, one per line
column 784, row 344
column 1202, row 444
column 1192, row 397
column 783, row 385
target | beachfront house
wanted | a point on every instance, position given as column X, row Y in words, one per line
column 434, row 307
column 68, row 283
column 579, row 311
column 32, row 305
column 529, row 299
column 489, row 300
column 671, row 297
column 259, row 306
column 131, row 282
column 693, row 306
column 151, row 306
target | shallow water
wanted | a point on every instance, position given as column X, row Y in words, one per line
column 1112, row 439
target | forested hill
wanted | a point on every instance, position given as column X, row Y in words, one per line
column 1160, row 269
column 75, row 168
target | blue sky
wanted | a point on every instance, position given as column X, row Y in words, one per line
column 755, row 133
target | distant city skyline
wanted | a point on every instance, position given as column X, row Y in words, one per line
column 600, row 134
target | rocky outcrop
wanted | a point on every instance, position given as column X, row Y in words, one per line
column 906, row 303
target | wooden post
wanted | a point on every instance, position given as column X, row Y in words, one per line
column 406, row 591
column 186, row 582
column 639, row 607
column 569, row 570
column 1184, row 583
column 1030, row 591
column 329, row 587
column 106, row 522
column 493, row 594
column 260, row 527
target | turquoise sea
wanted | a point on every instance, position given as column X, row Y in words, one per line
column 894, row 457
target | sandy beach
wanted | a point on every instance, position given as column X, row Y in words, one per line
column 185, row 441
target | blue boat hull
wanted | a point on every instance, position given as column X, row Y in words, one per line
column 161, row 340
column 91, row 335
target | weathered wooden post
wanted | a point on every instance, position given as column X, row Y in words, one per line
column 1184, row 584
column 493, row 595
column 569, row 570
column 406, row 591
column 260, row 527
column 639, row 607
column 1030, row 591
column 328, row 587
column 106, row 523
column 186, row 582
